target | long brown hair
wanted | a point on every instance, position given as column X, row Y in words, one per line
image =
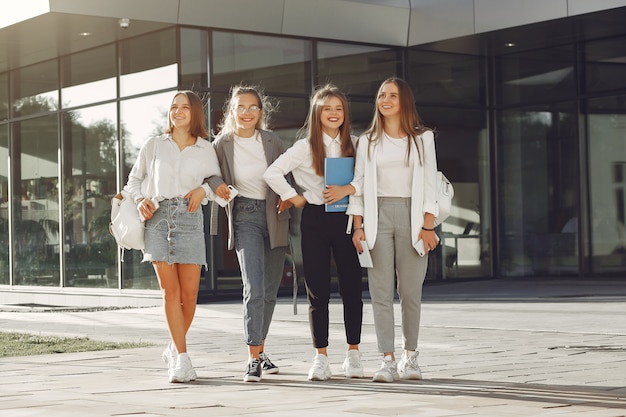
column 197, row 125
column 410, row 120
column 313, row 126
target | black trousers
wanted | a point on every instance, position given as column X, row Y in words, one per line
column 322, row 234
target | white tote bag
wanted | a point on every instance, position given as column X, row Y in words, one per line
column 127, row 226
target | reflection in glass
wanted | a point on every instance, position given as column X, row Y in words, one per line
column 89, row 148
column 4, row 206
column 356, row 69
column 438, row 77
column 35, row 89
column 605, row 63
column 148, row 63
column 89, row 77
column 194, row 62
column 277, row 64
column 533, row 76
column 36, row 244
column 538, row 201
column 607, row 176
column 4, row 96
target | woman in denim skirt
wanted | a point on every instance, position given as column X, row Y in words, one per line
column 174, row 238
column 258, row 223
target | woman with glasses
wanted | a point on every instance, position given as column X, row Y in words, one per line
column 258, row 222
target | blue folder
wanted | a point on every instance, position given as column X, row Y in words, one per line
column 338, row 171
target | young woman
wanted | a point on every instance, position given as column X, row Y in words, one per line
column 327, row 133
column 259, row 224
column 174, row 238
column 396, row 168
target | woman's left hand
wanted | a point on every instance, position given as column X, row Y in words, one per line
column 430, row 239
column 195, row 197
column 334, row 193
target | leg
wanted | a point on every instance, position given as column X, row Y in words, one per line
column 167, row 274
column 316, row 263
column 274, row 266
column 381, row 280
column 350, row 275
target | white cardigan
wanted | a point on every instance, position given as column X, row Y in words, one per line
column 423, row 190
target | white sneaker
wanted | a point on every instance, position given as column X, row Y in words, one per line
column 320, row 371
column 169, row 355
column 388, row 371
column 183, row 370
column 352, row 364
column 407, row 367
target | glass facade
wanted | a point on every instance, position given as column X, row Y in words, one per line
column 533, row 142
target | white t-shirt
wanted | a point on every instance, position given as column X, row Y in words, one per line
column 395, row 175
column 250, row 164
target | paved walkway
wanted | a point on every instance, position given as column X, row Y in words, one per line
column 486, row 349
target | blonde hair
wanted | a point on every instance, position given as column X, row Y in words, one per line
column 229, row 122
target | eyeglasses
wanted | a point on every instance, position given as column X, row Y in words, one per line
column 251, row 109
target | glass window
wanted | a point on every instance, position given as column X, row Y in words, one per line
column 194, row 62
column 89, row 77
column 607, row 178
column 36, row 243
column 356, row 69
column 605, row 63
column 462, row 145
column 148, row 63
column 4, row 205
column 4, row 96
column 538, row 183
column 279, row 65
column 35, row 89
column 140, row 119
column 453, row 79
column 536, row 76
column 89, row 147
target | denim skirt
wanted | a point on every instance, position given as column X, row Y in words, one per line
column 174, row 235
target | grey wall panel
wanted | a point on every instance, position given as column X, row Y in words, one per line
column 347, row 20
column 586, row 6
column 500, row 14
column 253, row 15
column 434, row 20
column 151, row 10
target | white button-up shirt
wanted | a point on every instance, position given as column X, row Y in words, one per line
column 299, row 162
column 176, row 172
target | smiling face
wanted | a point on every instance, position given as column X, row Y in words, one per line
column 388, row 100
column 332, row 116
column 180, row 112
column 246, row 113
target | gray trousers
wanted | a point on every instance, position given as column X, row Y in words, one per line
column 394, row 254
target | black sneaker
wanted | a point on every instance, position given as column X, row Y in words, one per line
column 253, row 371
column 266, row 363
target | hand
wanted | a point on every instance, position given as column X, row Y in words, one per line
column 430, row 239
column 283, row 205
column 358, row 239
column 334, row 193
column 298, row 201
column 146, row 208
column 195, row 197
column 223, row 191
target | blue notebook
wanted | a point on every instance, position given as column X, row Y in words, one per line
column 338, row 171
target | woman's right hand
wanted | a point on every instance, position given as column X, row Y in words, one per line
column 358, row 239
column 146, row 208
